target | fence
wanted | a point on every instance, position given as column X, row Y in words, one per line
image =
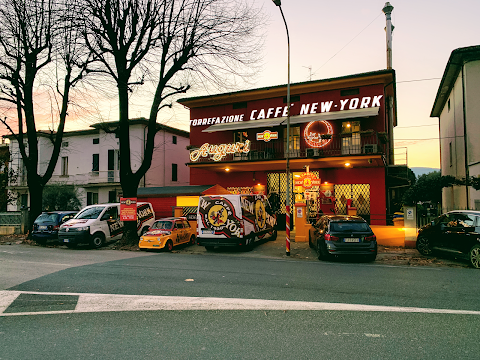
column 13, row 222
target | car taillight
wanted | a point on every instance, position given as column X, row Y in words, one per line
column 56, row 227
column 370, row 238
column 329, row 237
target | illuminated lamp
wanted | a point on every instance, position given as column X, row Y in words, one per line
column 347, row 164
column 227, row 169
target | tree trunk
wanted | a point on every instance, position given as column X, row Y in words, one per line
column 36, row 194
column 130, row 236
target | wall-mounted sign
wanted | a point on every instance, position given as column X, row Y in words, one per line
column 128, row 209
column 307, row 181
column 317, row 134
column 302, row 109
column 267, row 135
column 218, row 152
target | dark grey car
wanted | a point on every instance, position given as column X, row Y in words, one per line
column 456, row 232
column 342, row 235
column 46, row 225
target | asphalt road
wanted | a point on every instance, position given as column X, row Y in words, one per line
column 393, row 311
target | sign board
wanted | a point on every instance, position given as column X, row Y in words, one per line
column 267, row 135
column 307, row 181
column 128, row 209
column 409, row 213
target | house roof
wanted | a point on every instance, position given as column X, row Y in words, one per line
column 457, row 59
column 141, row 121
column 386, row 77
column 189, row 190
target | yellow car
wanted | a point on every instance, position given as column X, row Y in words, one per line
column 167, row 233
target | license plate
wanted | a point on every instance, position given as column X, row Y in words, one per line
column 207, row 231
column 66, row 240
column 351, row 240
column 42, row 227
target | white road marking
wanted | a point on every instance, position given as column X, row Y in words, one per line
column 107, row 302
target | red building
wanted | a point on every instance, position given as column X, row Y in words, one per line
column 341, row 128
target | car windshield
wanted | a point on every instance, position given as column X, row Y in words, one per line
column 162, row 225
column 90, row 213
column 349, row 226
column 47, row 217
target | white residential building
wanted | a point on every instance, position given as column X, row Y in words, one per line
column 458, row 109
column 89, row 159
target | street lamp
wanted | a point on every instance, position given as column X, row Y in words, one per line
column 287, row 154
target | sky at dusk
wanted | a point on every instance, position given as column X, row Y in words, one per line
column 345, row 37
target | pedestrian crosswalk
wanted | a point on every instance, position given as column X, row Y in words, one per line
column 14, row 303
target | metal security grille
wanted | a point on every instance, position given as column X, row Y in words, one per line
column 277, row 183
column 360, row 195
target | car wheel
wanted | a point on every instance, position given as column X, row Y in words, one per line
column 322, row 253
column 274, row 235
column 97, row 240
column 371, row 258
column 192, row 240
column 423, row 246
column 209, row 248
column 169, row 245
column 41, row 242
column 474, row 256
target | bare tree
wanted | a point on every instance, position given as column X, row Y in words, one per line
column 38, row 38
column 135, row 40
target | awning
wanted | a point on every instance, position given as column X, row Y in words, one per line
column 334, row 115
column 298, row 119
column 264, row 123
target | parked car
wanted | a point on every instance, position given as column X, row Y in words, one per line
column 339, row 235
column 456, row 232
column 46, row 225
column 100, row 223
column 167, row 233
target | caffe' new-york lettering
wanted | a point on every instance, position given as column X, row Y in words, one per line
column 220, row 151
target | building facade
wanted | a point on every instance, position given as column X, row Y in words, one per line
column 89, row 159
column 341, row 131
column 458, row 110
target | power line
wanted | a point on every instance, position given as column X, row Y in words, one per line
column 415, row 80
column 408, row 127
column 381, row 13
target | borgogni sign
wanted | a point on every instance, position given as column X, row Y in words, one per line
column 218, row 152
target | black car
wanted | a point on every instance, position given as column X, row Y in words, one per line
column 338, row 235
column 456, row 232
column 46, row 225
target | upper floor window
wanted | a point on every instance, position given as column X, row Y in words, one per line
column 174, row 139
column 174, row 172
column 64, row 170
column 96, row 141
column 96, row 162
column 448, row 105
column 450, row 153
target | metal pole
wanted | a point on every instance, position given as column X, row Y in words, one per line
column 287, row 154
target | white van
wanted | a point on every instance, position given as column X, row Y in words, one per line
column 234, row 220
column 98, row 224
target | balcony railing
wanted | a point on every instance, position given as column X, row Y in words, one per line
column 360, row 144
column 94, row 177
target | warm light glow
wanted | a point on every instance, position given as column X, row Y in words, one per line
column 227, row 169
column 326, row 182
column 259, row 184
column 348, row 125
column 296, row 175
column 347, row 164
